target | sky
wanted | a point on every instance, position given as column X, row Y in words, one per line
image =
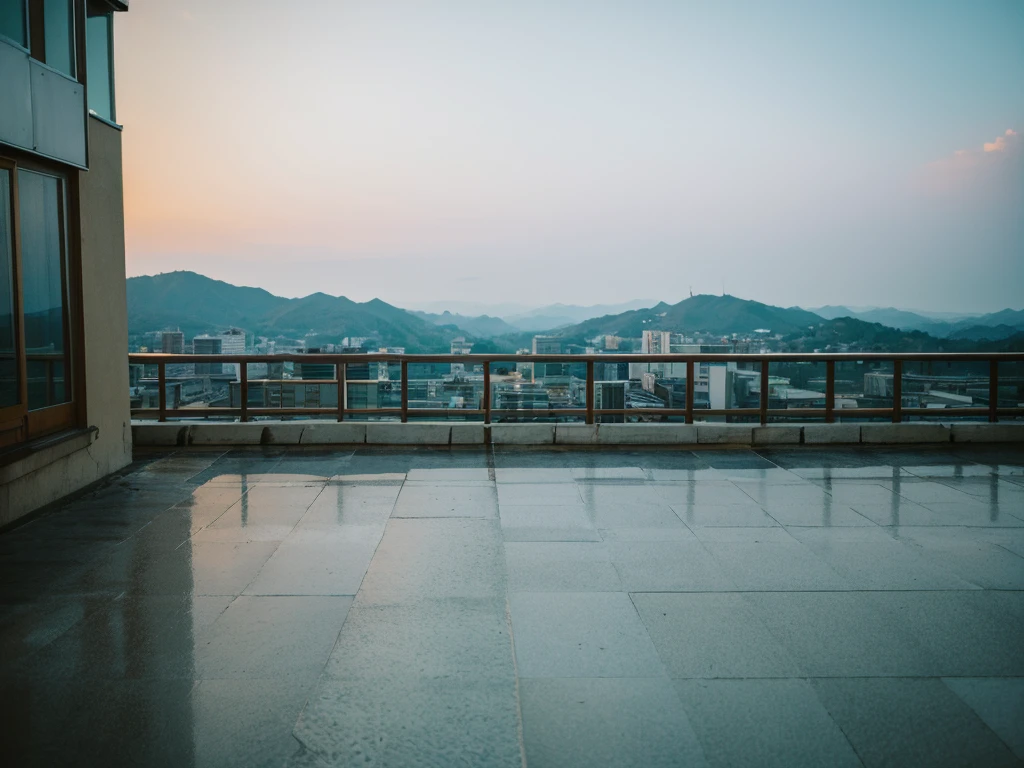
column 580, row 151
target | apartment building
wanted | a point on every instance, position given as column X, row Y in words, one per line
column 64, row 406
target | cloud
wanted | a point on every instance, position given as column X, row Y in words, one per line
column 1002, row 142
column 993, row 161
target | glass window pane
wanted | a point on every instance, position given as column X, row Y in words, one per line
column 97, row 48
column 43, row 291
column 12, row 21
column 9, row 382
column 59, row 35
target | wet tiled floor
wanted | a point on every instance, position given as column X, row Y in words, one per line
column 449, row 608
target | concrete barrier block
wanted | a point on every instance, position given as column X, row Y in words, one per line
column 904, row 433
column 725, row 434
column 336, row 433
column 160, row 434
column 289, row 433
column 467, row 434
column 394, row 433
column 821, row 434
column 225, row 433
column 646, row 434
column 988, row 433
column 522, row 434
column 777, row 435
column 576, row 434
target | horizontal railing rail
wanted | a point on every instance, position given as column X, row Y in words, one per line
column 993, row 411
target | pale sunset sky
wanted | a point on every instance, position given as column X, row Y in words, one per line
column 860, row 153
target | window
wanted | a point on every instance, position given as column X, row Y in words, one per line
column 36, row 393
column 13, row 17
column 59, row 35
column 100, row 64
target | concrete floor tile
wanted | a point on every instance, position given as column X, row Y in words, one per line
column 591, row 634
column 723, row 515
column 773, row 567
column 898, row 722
column 246, row 723
column 411, row 723
column 546, row 523
column 967, row 633
column 538, row 494
column 97, row 723
column 347, row 504
column 314, row 561
column 451, row 639
column 714, row 635
column 271, row 637
column 999, row 702
column 668, row 566
column 560, row 567
column 436, row 558
column 623, row 722
column 634, row 516
column 843, row 634
column 764, row 723
column 201, row 568
column 447, row 499
column 711, row 493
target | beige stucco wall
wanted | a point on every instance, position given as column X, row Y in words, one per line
column 106, row 341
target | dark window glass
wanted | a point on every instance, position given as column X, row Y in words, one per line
column 12, row 21
column 9, row 389
column 99, row 55
column 59, row 35
column 41, row 204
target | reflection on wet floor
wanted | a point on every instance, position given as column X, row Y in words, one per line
column 402, row 608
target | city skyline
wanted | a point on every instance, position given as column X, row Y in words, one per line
column 798, row 155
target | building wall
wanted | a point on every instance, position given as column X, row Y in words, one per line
column 104, row 306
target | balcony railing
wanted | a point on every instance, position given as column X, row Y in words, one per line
column 985, row 386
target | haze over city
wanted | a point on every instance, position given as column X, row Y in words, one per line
column 867, row 154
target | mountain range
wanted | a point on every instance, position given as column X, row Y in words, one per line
column 993, row 326
column 199, row 304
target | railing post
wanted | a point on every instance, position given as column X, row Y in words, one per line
column 405, row 391
column 161, row 382
column 243, row 390
column 487, row 392
column 764, row 392
column 590, row 391
column 339, row 372
column 689, row 391
column 830, row 391
column 993, row 390
column 897, row 391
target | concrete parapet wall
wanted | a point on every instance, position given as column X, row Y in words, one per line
column 905, row 433
column 469, row 433
column 725, row 434
column 988, row 433
column 523, row 434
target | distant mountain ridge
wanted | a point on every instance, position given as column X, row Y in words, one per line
column 484, row 326
column 943, row 325
column 197, row 304
column 704, row 312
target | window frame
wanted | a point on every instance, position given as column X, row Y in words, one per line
column 18, row 424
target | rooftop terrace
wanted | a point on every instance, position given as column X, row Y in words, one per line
column 280, row 607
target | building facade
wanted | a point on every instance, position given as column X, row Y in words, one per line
column 64, row 406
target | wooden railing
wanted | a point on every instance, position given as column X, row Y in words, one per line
column 991, row 411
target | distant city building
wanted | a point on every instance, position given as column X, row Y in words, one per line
column 611, row 342
column 208, row 345
column 547, row 345
column 233, row 343
column 460, row 346
column 172, row 342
